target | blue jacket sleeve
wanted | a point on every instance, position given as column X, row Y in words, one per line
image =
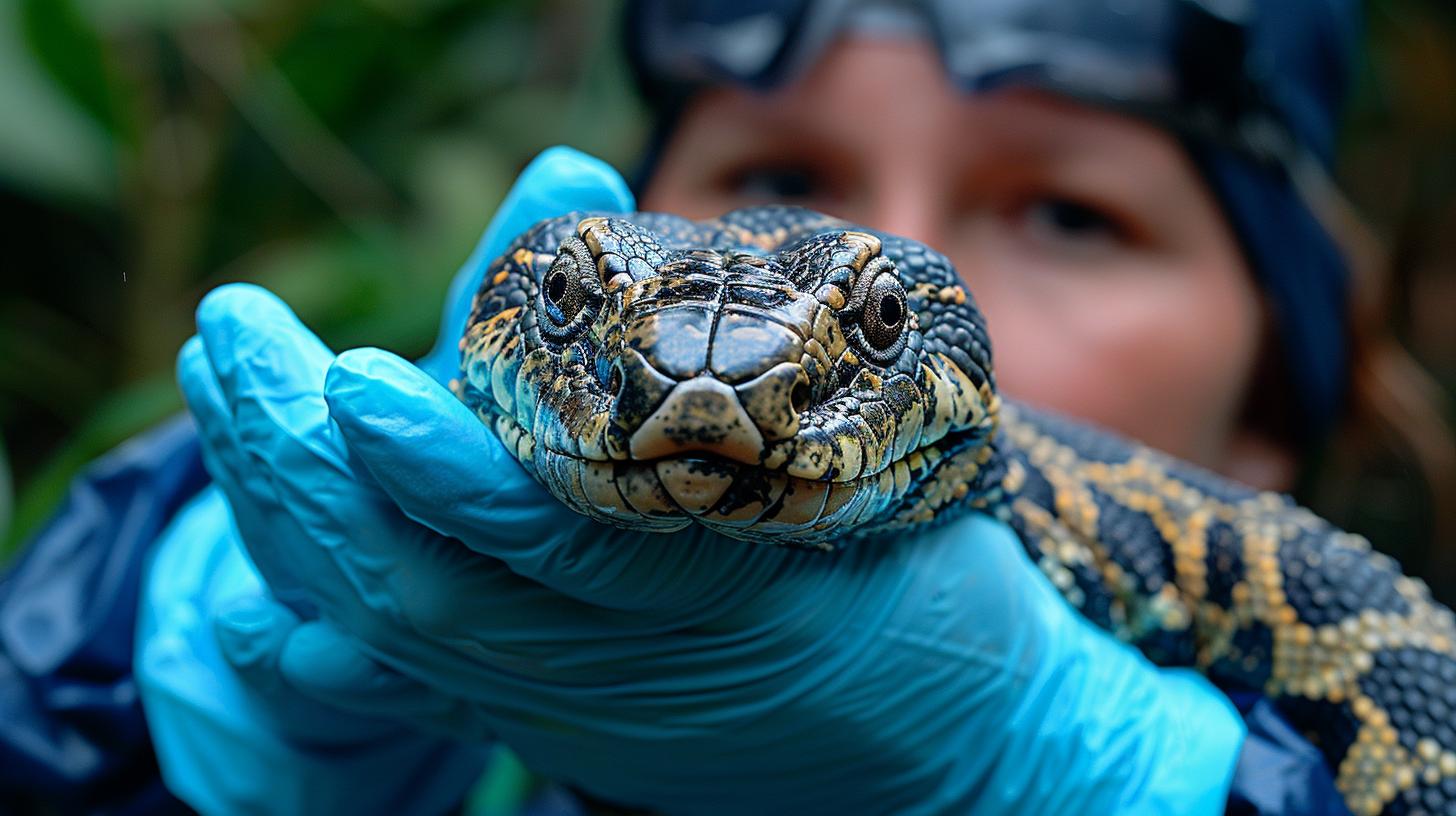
column 72, row 734
column 71, row 728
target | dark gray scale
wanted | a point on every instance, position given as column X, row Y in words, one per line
column 1249, row 660
column 548, row 235
column 767, row 220
column 1133, row 542
column 767, row 298
column 1224, row 564
column 1408, row 803
column 1406, row 683
column 629, row 248
column 1333, row 726
column 1209, row 484
column 819, row 258
column 956, row 339
column 918, row 263
column 1096, row 600
column 494, row 300
column 1168, row 647
column 1440, row 798
column 957, row 331
column 1326, row 581
column 1090, row 444
column 915, row 495
column 1424, row 799
column 1036, row 488
column 672, row 230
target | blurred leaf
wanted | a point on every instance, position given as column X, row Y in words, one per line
column 47, row 143
column 546, row 111
column 63, row 43
column 330, row 279
column 38, row 346
column 335, row 64
column 121, row 14
column 458, row 181
column 120, row 416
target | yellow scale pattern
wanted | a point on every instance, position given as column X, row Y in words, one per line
column 1324, row 663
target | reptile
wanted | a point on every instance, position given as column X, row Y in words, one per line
column 780, row 376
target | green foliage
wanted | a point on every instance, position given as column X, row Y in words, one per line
column 67, row 48
column 48, row 144
column 344, row 153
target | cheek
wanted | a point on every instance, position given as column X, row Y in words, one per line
column 1162, row 354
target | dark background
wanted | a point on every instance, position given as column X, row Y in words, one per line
column 347, row 154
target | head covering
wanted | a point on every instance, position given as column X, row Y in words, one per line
column 1301, row 52
column 1254, row 89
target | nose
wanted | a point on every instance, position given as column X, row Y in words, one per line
column 722, row 381
column 701, row 414
column 910, row 199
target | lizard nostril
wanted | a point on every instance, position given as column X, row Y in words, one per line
column 799, row 397
column 614, row 381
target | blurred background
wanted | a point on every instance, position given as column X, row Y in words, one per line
column 347, row 153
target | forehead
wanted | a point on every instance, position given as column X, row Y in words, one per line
column 880, row 96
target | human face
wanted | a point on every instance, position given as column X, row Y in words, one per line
column 1112, row 286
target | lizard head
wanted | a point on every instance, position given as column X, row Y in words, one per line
column 774, row 374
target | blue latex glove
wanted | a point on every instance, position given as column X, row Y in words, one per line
column 688, row 673
column 239, row 738
column 225, row 746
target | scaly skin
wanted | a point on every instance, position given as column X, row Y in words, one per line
column 780, row 376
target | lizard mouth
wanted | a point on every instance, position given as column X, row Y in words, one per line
column 671, row 492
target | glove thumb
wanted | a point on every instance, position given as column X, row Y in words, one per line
column 322, row 685
column 253, row 634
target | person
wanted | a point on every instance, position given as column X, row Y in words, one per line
column 1114, row 246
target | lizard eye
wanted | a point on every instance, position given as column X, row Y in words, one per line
column 878, row 310
column 567, row 293
column 564, row 295
column 884, row 313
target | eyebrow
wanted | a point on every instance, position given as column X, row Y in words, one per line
column 1015, row 127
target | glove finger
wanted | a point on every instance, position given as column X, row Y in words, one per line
column 324, row 663
column 431, row 582
column 208, row 408
column 434, row 457
column 290, row 478
column 251, row 493
column 312, row 526
column 257, row 638
column 270, row 369
column 251, row 634
column 250, row 496
column 557, row 181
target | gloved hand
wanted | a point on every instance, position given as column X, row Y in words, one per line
column 225, row 746
column 688, row 673
column 238, row 738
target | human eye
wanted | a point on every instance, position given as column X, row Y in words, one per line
column 779, row 182
column 1068, row 224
